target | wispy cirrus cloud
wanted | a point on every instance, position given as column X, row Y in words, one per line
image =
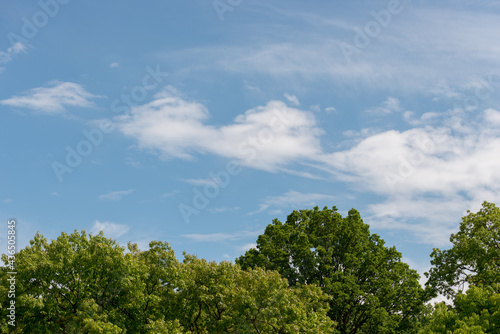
column 111, row 230
column 292, row 199
column 6, row 56
column 115, row 195
column 200, row 182
column 390, row 105
column 224, row 209
column 220, row 237
column 400, row 60
column 53, row 98
column 292, row 99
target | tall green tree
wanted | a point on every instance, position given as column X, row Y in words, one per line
column 371, row 289
column 474, row 257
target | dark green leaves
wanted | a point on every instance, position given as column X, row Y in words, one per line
column 474, row 257
column 372, row 290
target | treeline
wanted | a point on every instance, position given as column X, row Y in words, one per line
column 317, row 272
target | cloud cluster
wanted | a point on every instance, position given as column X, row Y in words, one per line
column 267, row 137
column 292, row 200
column 436, row 167
column 54, row 98
column 428, row 176
column 221, row 237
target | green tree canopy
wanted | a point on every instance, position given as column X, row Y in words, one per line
column 474, row 260
column 222, row 298
column 474, row 312
column 81, row 283
column 371, row 289
column 85, row 283
column 474, row 257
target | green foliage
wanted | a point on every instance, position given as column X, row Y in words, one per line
column 222, row 298
column 81, row 283
column 318, row 272
column 474, row 257
column 477, row 311
column 371, row 290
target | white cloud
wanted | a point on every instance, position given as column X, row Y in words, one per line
column 12, row 51
column 421, row 160
column 363, row 133
column 443, row 90
column 133, row 163
column 428, row 176
column 430, row 220
column 390, row 105
column 315, row 108
column 169, row 194
column 54, row 98
column 115, row 195
column 219, row 237
column 492, row 117
column 114, row 65
column 7, row 200
column 110, row 230
column 224, row 209
column 292, row 99
column 291, row 199
column 247, row 247
column 447, row 169
column 267, row 137
column 424, row 119
column 200, row 182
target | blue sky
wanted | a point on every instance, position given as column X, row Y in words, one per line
column 198, row 122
